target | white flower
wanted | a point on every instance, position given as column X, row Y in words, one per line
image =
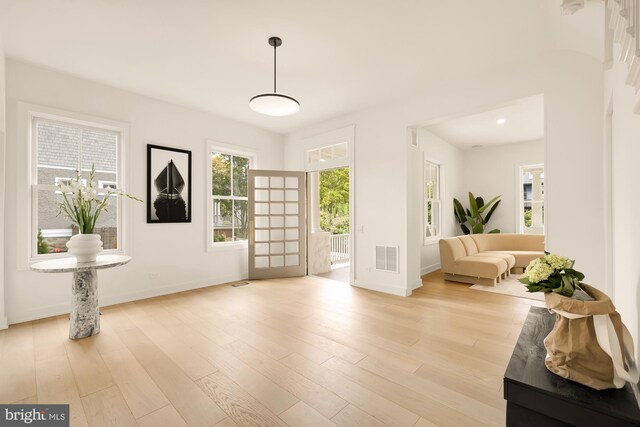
column 538, row 270
column 558, row 262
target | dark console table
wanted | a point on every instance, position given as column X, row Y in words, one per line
column 536, row 397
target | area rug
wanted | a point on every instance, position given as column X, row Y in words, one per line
column 511, row 286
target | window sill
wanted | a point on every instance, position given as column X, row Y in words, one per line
column 228, row 246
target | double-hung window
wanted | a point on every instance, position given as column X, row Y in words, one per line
column 60, row 147
column 228, row 204
column 432, row 205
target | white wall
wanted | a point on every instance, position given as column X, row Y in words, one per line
column 3, row 318
column 626, row 202
column 450, row 159
column 572, row 86
column 492, row 171
column 175, row 252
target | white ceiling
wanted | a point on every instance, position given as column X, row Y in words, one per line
column 523, row 121
column 338, row 56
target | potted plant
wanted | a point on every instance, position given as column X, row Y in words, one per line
column 589, row 344
column 82, row 204
column 474, row 214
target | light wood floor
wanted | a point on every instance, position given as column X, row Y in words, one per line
column 299, row 352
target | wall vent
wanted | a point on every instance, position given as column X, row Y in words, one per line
column 387, row 258
column 413, row 137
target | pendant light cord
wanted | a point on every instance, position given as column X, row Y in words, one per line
column 274, row 67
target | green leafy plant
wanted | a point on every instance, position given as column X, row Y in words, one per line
column 43, row 246
column 81, row 202
column 474, row 214
column 552, row 273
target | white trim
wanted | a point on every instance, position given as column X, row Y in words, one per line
column 415, row 285
column 400, row 291
column 234, row 150
column 429, row 269
column 58, row 309
column 27, row 177
column 431, row 240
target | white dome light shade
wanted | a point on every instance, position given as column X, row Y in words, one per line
column 274, row 104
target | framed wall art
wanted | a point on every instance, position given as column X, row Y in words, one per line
column 168, row 184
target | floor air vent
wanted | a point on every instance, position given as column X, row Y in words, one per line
column 387, row 258
column 235, row 285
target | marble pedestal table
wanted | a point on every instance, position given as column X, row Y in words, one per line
column 85, row 313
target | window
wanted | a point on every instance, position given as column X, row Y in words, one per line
column 431, row 201
column 531, row 206
column 229, row 201
column 328, row 157
column 61, row 146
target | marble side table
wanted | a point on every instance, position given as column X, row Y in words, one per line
column 85, row 313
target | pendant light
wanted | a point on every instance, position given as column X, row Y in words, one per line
column 273, row 103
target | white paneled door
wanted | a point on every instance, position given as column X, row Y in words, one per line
column 277, row 224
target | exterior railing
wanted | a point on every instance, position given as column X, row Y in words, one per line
column 339, row 249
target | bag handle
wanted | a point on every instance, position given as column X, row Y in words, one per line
column 610, row 343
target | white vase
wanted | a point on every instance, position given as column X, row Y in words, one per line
column 85, row 247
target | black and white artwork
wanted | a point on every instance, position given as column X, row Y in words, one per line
column 168, row 184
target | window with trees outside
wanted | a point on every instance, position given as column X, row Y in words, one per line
column 229, row 201
column 431, row 201
column 61, row 146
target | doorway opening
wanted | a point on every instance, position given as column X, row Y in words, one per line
column 329, row 231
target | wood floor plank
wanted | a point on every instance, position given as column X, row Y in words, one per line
column 422, row 402
column 108, row 408
column 377, row 406
column 140, row 392
column 352, row 416
column 47, row 339
column 303, row 415
column 187, row 398
column 89, row 370
column 17, row 376
column 56, row 384
column 243, row 409
column 319, row 398
column 192, row 364
column 165, row 417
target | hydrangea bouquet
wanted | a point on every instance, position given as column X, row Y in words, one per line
column 82, row 203
column 552, row 273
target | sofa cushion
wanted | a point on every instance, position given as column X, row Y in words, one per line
column 506, row 242
column 487, row 267
column 508, row 258
column 469, row 245
column 523, row 258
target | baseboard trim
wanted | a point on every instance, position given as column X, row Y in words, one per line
column 429, row 269
column 58, row 309
column 393, row 290
column 416, row 284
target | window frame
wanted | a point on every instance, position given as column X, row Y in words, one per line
column 430, row 240
column 29, row 114
column 520, row 169
column 232, row 150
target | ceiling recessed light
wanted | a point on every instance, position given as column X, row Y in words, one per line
column 501, row 121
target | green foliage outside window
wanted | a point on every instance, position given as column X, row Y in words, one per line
column 334, row 201
column 43, row 246
column 232, row 218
